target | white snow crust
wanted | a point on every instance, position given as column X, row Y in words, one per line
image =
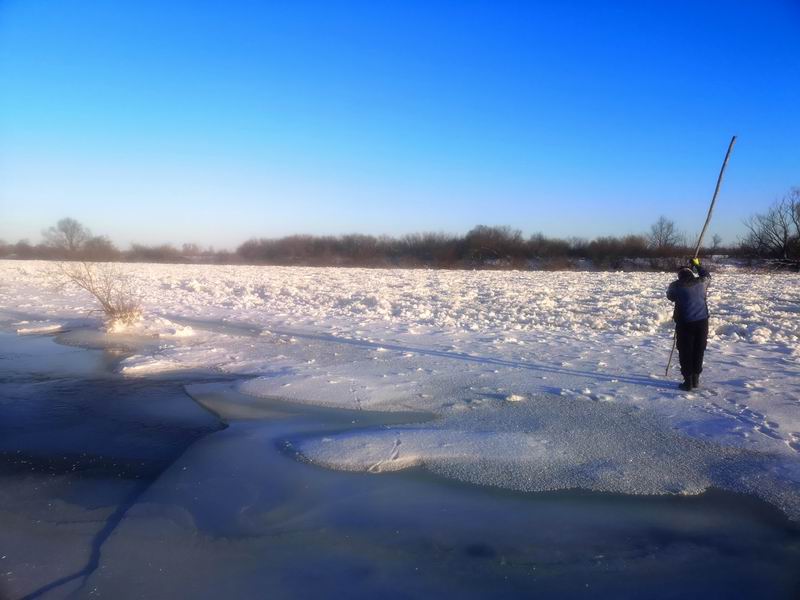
column 540, row 380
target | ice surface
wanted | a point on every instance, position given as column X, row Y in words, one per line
column 503, row 357
column 26, row 328
column 554, row 443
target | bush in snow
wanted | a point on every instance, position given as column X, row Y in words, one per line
column 109, row 285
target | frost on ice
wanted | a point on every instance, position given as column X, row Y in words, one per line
column 554, row 443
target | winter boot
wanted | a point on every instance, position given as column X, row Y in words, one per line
column 696, row 380
column 686, row 386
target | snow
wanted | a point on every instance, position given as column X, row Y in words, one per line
column 539, row 380
column 153, row 326
column 546, row 444
column 26, row 328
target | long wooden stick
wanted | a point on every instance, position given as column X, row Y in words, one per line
column 714, row 198
column 703, row 233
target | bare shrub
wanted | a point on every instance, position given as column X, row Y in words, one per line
column 161, row 253
column 485, row 242
column 109, row 285
column 541, row 247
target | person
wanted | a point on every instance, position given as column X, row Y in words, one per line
column 691, row 320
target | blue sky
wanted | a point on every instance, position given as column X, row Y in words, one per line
column 214, row 122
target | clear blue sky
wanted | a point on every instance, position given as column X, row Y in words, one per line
column 214, row 122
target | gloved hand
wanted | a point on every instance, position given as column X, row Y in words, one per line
column 695, row 262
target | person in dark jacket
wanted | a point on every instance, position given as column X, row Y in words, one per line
column 691, row 320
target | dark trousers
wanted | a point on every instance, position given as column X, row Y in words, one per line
column 692, row 338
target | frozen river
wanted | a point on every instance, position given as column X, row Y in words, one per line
column 122, row 488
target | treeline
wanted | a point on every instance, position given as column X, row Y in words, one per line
column 101, row 249
column 774, row 234
column 483, row 246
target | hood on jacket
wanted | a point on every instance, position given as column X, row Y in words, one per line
column 685, row 274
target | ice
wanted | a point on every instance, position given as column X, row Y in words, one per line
column 556, row 443
column 43, row 327
column 493, row 354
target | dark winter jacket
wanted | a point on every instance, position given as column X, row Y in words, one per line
column 690, row 297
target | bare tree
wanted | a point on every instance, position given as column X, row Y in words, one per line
column 664, row 236
column 716, row 242
column 111, row 287
column 776, row 233
column 793, row 201
column 68, row 234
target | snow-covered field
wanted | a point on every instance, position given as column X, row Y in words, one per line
column 539, row 380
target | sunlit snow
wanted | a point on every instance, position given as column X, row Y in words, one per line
column 539, row 380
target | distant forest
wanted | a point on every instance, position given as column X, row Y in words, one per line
column 774, row 234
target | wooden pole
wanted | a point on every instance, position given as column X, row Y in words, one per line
column 703, row 233
column 714, row 198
